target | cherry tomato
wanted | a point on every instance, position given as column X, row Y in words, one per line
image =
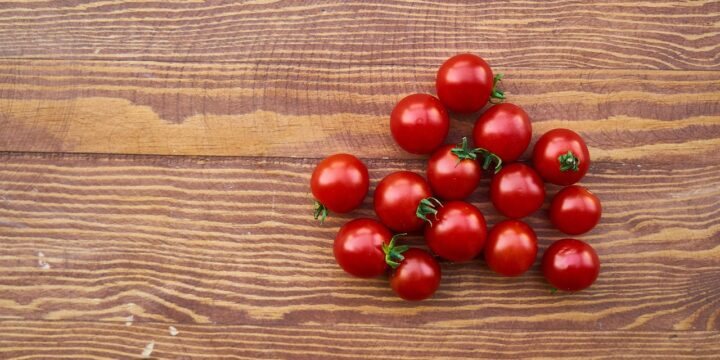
column 561, row 157
column 339, row 183
column 511, row 248
column 465, row 83
column 417, row 277
column 358, row 247
column 457, row 232
column 504, row 130
column 453, row 172
column 396, row 199
column 517, row 191
column 419, row 123
column 575, row 210
column 570, row 265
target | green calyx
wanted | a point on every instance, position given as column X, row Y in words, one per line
column 463, row 152
column 488, row 158
column 320, row 211
column 393, row 253
column 497, row 95
column 427, row 206
column 568, row 161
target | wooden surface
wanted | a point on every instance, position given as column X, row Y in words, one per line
column 154, row 160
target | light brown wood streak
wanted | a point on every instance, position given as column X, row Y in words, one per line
column 203, row 109
column 165, row 234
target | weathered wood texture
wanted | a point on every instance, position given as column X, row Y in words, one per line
column 205, row 109
column 223, row 247
column 228, row 241
column 92, row 340
column 602, row 34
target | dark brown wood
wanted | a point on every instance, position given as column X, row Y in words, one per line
column 232, row 241
column 558, row 34
column 92, row 340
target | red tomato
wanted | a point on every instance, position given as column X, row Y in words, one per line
column 396, row 200
column 419, row 123
column 570, row 265
column 561, row 157
column 575, row 210
column 517, row 191
column 417, row 277
column 339, row 183
column 358, row 247
column 457, row 232
column 465, row 83
column 453, row 173
column 504, row 130
column 511, row 248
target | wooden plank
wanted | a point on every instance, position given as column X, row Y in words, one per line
column 231, row 241
column 92, row 340
column 557, row 34
column 308, row 110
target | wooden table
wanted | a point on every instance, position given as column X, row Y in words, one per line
column 156, row 156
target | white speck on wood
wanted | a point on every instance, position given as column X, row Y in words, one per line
column 173, row 331
column 129, row 320
column 148, row 350
column 42, row 264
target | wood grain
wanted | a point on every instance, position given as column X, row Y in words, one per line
column 101, row 253
column 206, row 109
column 231, row 241
column 557, row 34
column 92, row 340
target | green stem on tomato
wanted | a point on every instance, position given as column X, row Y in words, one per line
column 463, row 152
column 497, row 93
column 394, row 253
column 488, row 158
column 320, row 211
column 427, row 206
column 569, row 161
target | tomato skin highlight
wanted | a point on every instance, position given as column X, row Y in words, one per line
column 504, row 130
column 517, row 191
column 464, row 83
column 575, row 210
column 396, row 199
column 419, row 123
column 340, row 182
column 451, row 178
column 570, row 265
column 457, row 233
column 554, row 144
column 417, row 277
column 358, row 247
column 511, row 248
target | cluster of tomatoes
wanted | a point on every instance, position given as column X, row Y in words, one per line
column 453, row 229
